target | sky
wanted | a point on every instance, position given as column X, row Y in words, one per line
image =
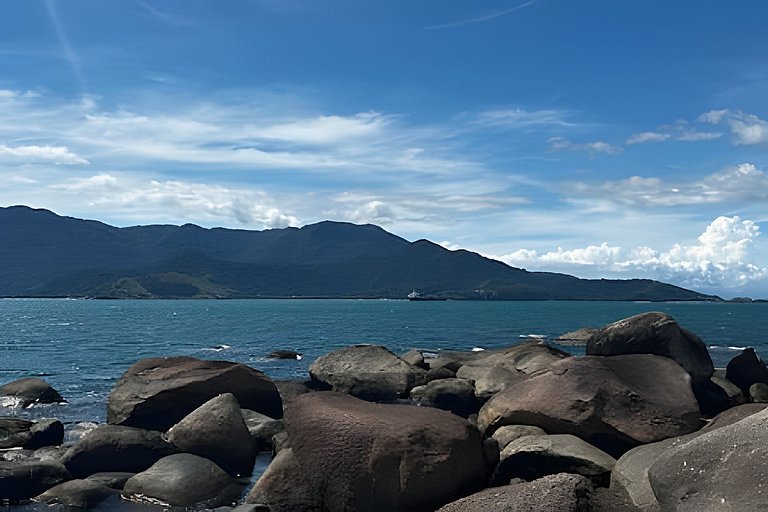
column 600, row 138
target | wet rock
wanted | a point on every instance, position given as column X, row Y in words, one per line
column 183, row 480
column 116, row 448
column 348, row 454
column 157, row 393
column 369, row 372
column 613, row 403
column 216, row 430
column 24, row 479
column 30, row 435
column 284, row 354
column 454, row 395
column 29, row 391
column 78, row 494
column 532, row 457
column 554, row 493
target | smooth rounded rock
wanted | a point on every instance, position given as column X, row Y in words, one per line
column 20, row 480
column 78, row 494
column 508, row 433
column 216, row 430
column 454, row 395
column 370, row 372
column 613, row 403
column 29, row 391
column 157, row 393
column 746, row 369
column 183, row 480
column 758, row 393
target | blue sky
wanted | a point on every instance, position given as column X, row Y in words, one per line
column 598, row 138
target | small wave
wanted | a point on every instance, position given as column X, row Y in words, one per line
column 477, row 349
column 217, row 348
column 730, row 347
column 738, row 348
column 533, row 336
column 10, row 401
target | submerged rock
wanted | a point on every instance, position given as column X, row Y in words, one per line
column 29, row 391
column 157, row 393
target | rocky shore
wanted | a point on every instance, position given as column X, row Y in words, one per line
column 643, row 422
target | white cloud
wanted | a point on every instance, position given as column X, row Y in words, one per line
column 642, row 137
column 326, row 129
column 519, row 118
column 696, row 136
column 723, row 257
column 175, row 200
column 560, row 144
column 58, row 155
column 748, row 129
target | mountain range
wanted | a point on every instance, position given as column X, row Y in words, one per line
column 46, row 255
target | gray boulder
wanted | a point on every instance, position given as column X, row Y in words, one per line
column 654, row 333
column 454, row 395
column 508, row 433
column 216, row 430
column 758, row 393
column 349, row 454
column 746, row 369
column 722, row 469
column 25, row 479
column 157, row 393
column 29, row 391
column 495, row 370
column 532, row 457
column 183, row 480
column 554, row 493
column 116, row 448
column 416, row 358
column 732, row 391
column 111, row 479
column 370, row 372
column 77, row 494
column 613, row 403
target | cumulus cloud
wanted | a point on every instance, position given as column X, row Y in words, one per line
column 560, row 144
column 175, row 199
column 58, row 155
column 722, row 257
column 747, row 129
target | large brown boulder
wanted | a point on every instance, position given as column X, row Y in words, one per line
column 29, row 391
column 554, row 493
column 217, row 431
column 722, row 469
column 370, row 372
column 157, row 393
column 654, row 333
column 115, row 448
column 613, row 403
column 454, row 395
column 349, row 455
column 184, row 480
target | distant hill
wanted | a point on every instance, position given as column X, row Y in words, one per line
column 46, row 255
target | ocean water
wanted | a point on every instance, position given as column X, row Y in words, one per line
column 83, row 346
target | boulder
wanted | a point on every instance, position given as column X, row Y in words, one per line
column 183, row 480
column 111, row 479
column 290, row 389
column 30, row 435
column 216, row 430
column 630, row 475
column 370, row 372
column 284, row 354
column 439, row 373
column 722, row 469
column 29, row 391
column 508, row 433
column 732, row 391
column 157, row 393
column 495, row 370
column 576, row 338
column 613, row 403
column 115, row 448
column 758, row 393
column 263, row 434
column 658, row 334
column 77, row 494
column 746, row 369
column 14, row 432
column 532, row 457
column 24, row 479
column 416, row 358
column 348, row 454
column 554, row 493
column 454, row 395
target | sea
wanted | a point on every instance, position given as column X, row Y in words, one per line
column 82, row 347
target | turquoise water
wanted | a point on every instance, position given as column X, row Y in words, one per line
column 83, row 346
